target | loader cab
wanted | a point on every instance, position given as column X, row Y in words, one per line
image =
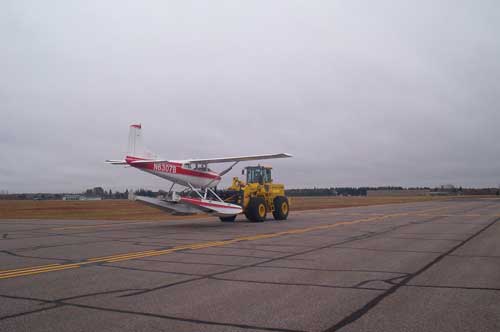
column 258, row 174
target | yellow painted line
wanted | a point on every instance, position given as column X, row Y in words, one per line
column 150, row 253
column 113, row 256
column 122, row 257
column 29, row 268
column 39, row 270
column 141, row 256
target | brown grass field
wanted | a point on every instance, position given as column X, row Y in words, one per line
column 129, row 210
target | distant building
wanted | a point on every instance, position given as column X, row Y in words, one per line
column 71, row 197
column 397, row 192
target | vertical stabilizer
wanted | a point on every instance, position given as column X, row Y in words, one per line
column 135, row 146
column 135, row 140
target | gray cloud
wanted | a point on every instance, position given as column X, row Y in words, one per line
column 362, row 93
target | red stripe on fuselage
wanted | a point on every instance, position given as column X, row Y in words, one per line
column 170, row 168
column 129, row 159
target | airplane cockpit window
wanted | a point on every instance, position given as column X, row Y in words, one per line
column 188, row 166
column 201, row 167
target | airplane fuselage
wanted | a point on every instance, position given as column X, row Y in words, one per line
column 178, row 172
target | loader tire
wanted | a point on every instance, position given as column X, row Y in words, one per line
column 256, row 210
column 281, row 208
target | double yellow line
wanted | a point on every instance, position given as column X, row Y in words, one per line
column 6, row 274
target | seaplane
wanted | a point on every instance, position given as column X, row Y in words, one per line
column 198, row 181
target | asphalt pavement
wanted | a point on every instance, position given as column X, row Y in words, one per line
column 429, row 266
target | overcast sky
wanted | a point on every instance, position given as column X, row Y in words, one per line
column 360, row 92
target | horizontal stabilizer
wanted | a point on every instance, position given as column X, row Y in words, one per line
column 116, row 162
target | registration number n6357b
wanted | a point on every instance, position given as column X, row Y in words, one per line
column 165, row 167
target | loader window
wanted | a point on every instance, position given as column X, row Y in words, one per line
column 258, row 175
column 267, row 177
column 253, row 175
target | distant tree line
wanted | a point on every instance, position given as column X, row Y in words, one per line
column 145, row 192
column 105, row 194
column 342, row 191
column 332, row 191
column 93, row 192
column 339, row 191
column 361, row 191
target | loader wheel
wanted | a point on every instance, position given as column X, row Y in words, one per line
column 256, row 210
column 281, row 208
column 228, row 219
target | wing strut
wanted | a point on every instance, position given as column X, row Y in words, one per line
column 224, row 172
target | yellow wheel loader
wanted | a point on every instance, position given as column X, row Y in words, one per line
column 258, row 195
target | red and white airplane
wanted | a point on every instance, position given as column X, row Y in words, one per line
column 193, row 174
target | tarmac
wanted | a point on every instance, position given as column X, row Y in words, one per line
column 429, row 266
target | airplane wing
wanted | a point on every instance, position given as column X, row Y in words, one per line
column 240, row 158
column 208, row 160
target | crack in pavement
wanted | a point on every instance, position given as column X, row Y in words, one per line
column 330, row 270
column 296, row 284
column 63, row 302
column 36, row 257
column 149, row 270
column 393, row 250
column 455, row 287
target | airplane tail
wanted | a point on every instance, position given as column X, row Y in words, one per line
column 135, row 146
column 135, row 150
